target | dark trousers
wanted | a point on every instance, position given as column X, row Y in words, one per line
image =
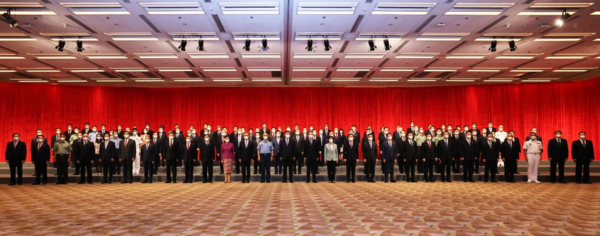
column 265, row 167
column 86, row 168
column 446, row 169
column 370, row 169
column 561, row 170
column 400, row 165
column 156, row 165
column 419, row 160
column 491, row 167
column 118, row 164
column 409, row 168
column 468, row 166
column 62, row 168
column 582, row 171
column 77, row 165
column 256, row 165
column 389, row 170
column 476, row 163
column 207, row 171
column 189, row 170
column 246, row 170
column 277, row 163
column 16, row 172
column 456, row 164
column 311, row 169
column 350, row 169
column 331, row 165
column 298, row 163
column 148, row 171
column 108, row 168
column 428, row 169
column 237, row 164
column 171, row 170
column 127, row 170
column 288, row 165
column 41, row 172
column 510, row 167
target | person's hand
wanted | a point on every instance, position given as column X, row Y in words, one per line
column 92, row 162
column 152, row 162
column 77, row 161
column 462, row 158
column 504, row 159
column 141, row 163
column 23, row 162
column 549, row 158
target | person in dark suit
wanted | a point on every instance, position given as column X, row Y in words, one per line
column 583, row 155
column 445, row 153
column 120, row 132
column 288, row 156
column 276, row 146
column 400, row 139
column 412, row 129
column 474, row 128
column 479, row 142
column 34, row 143
column 311, row 154
column 409, row 157
column 40, row 156
column 510, row 155
column 147, row 157
column 159, row 145
column 558, row 153
column 107, row 158
column 127, row 151
column 455, row 139
column 236, row 138
column 86, row 129
column 190, row 157
column 370, row 156
column 171, row 155
column 468, row 152
column 429, row 157
column 247, row 152
column 350, row 156
column 389, row 153
column 69, row 132
column 16, row 152
column 207, row 156
column 86, row 159
column 298, row 140
column 490, row 151
column 490, row 128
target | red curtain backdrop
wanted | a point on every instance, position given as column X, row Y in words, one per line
column 570, row 107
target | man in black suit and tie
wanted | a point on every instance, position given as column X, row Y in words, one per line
column 147, row 157
column 429, row 158
column 468, row 149
column 490, row 152
column 370, row 156
column 236, row 138
column 455, row 140
column 298, row 140
column 86, row 129
column 311, row 151
column 583, row 155
column 247, row 152
column 276, row 146
column 350, row 156
column 40, row 156
column 69, row 132
column 107, row 158
column 159, row 144
column 171, row 154
column 558, row 153
column 86, row 159
column 16, row 152
column 190, row 156
column 288, row 156
column 445, row 152
column 120, row 132
column 127, row 151
column 490, row 128
column 207, row 155
column 409, row 157
column 389, row 153
column 510, row 155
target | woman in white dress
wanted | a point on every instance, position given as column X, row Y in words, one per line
column 138, row 143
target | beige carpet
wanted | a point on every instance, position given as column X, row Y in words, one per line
column 303, row 209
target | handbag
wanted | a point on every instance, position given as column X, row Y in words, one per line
column 500, row 163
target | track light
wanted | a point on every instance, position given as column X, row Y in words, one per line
column 512, row 45
column 182, row 45
column 11, row 21
column 79, row 46
column 372, row 46
column 309, row 45
column 326, row 45
column 61, row 45
column 386, row 44
column 493, row 45
column 265, row 45
column 247, row 45
column 563, row 18
column 200, row 45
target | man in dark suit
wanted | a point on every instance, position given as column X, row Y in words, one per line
column 583, row 155
column 409, row 157
column 207, row 155
column 40, row 156
column 429, row 158
column 400, row 139
column 558, row 153
column 69, row 132
column 34, row 143
column 276, row 146
column 311, row 153
column 490, row 151
column 350, row 156
column 455, row 140
column 147, row 158
column 288, row 156
column 190, row 157
column 120, row 132
column 445, row 152
column 159, row 145
column 107, row 158
column 298, row 140
column 86, row 129
column 412, row 129
column 16, row 152
column 127, row 151
column 86, row 159
column 468, row 150
column 490, row 128
column 264, row 129
column 171, row 154
column 247, row 152
column 510, row 155
column 370, row 156
column 236, row 138
column 389, row 153
column 479, row 142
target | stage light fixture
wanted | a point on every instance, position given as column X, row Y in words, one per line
column 512, row 45
column 326, row 45
column 372, row 46
column 61, row 45
column 201, row 45
column 265, row 45
column 182, row 45
column 493, row 45
column 247, row 45
column 386, row 44
column 563, row 18
column 11, row 21
column 309, row 45
column 79, row 46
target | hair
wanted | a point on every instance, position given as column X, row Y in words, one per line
column 558, row 132
column 126, row 132
column 40, row 136
column 581, row 132
column 532, row 134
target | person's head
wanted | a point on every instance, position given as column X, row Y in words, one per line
column 287, row 134
column 58, row 131
column 304, row 130
column 126, row 134
column 311, row 135
column 171, row 136
column 446, row 134
column 226, row 139
column 145, row 131
column 558, row 133
column 330, row 139
column 512, row 132
column 277, row 133
column 206, row 138
column 119, row 127
column 582, row 135
column 335, row 130
column 350, row 137
column 412, row 124
column 264, row 125
column 38, row 132
column 443, row 127
column 86, row 137
column 40, row 138
column 402, row 133
column 61, row 138
column 115, row 135
column 490, row 137
column 532, row 136
column 257, row 135
column 341, row 131
column 76, row 130
column 398, row 129
column 474, row 132
column 449, row 128
column 297, row 132
column 194, row 131
column 490, row 124
column 410, row 136
column 420, row 130
column 469, row 135
column 246, row 136
column 135, row 132
column 456, row 132
column 94, row 128
column 370, row 137
column 389, row 137
column 466, row 128
column 501, row 128
column 474, row 125
column 534, row 130
column 510, row 137
column 188, row 139
column 428, row 137
column 273, row 130
column 385, row 130
column 161, row 128
column 87, row 125
column 484, row 132
column 265, row 136
column 438, row 132
column 79, row 135
column 69, row 127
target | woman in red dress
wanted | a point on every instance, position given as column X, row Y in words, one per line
column 227, row 158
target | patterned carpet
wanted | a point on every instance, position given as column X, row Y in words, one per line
column 303, row 209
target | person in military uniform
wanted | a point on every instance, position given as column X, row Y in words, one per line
column 533, row 152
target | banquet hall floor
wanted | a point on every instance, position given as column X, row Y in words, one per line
column 301, row 209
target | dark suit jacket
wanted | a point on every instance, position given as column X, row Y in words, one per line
column 171, row 152
column 127, row 151
column 508, row 153
column 351, row 154
column 490, row 130
column 581, row 153
column 106, row 153
column 311, row 151
column 88, row 152
column 428, row 153
column 298, row 142
column 468, row 151
column 287, row 151
column 276, row 146
column 247, row 152
column 147, row 153
column 42, row 155
column 390, row 152
column 190, row 153
column 370, row 153
column 409, row 152
column 54, row 141
column 445, row 153
column 556, row 151
column 158, row 146
column 67, row 135
column 207, row 152
column 491, row 153
column 17, row 154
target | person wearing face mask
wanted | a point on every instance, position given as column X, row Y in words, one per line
column 445, row 152
column 400, row 140
column 420, row 138
column 537, row 136
column 331, row 156
column 120, row 132
column 155, row 141
column 34, row 143
column 312, row 152
column 246, row 152
column 412, row 129
column 171, row 155
column 86, row 129
column 350, row 157
column 455, row 138
column 533, row 151
column 107, row 158
column 490, row 128
column 76, row 142
column 479, row 141
column 370, row 156
column 236, row 138
column 160, row 144
column 288, row 152
column 468, row 150
column 86, row 160
column 558, row 153
column 490, row 151
column 500, row 134
column 55, row 138
column 474, row 128
column 127, row 155
column 510, row 154
column 429, row 157
column 97, row 163
column 147, row 158
column 62, row 155
column 190, row 157
column 40, row 157
column 264, row 150
column 276, row 146
column 227, row 158
column 389, row 153
column 138, row 144
column 436, row 137
column 583, row 155
column 93, row 133
column 207, row 156
column 118, row 164
column 298, row 140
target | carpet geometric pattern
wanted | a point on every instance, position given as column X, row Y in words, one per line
column 301, row 209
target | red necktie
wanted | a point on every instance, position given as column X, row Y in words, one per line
column 15, row 145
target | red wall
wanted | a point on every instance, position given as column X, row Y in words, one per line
column 571, row 107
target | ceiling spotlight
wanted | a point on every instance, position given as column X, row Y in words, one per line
column 563, row 18
column 493, row 45
column 200, row 45
column 326, row 45
column 372, row 46
column 265, row 45
column 11, row 21
column 182, row 45
column 309, row 45
column 511, row 45
column 387, row 45
column 79, row 46
column 247, row 45
column 61, row 45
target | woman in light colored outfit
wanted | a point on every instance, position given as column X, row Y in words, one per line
column 331, row 157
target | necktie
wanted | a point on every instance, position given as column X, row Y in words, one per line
column 583, row 141
column 171, row 144
column 246, row 143
column 85, row 143
column 446, row 142
column 490, row 143
column 429, row 143
column 15, row 145
column 39, row 146
column 147, row 146
column 287, row 142
column 350, row 145
column 510, row 144
column 188, row 146
column 558, row 140
column 311, row 143
column 370, row 145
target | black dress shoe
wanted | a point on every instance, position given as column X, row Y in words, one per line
column 347, row 181
column 207, row 181
column 44, row 183
column 314, row 181
column 174, row 181
column 353, row 181
column 285, row 181
column 472, row 181
column 167, row 182
column 11, row 184
column 563, row 182
column 268, row 181
column 291, row 181
column 588, row 182
column 35, row 184
column 393, row 181
column 145, row 181
column 448, row 181
column 81, row 183
column 308, row 181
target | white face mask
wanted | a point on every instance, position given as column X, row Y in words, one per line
column 558, row 135
column 428, row 138
column 206, row 139
column 475, row 133
column 40, row 140
column 410, row 137
column 510, row 138
column 106, row 138
column 245, row 137
column 287, row 136
column 439, row 133
column 147, row 140
column 468, row 136
column 297, row 133
column 500, row 129
column 126, row 136
column 226, row 140
column 389, row 138
column 85, row 139
column 582, row 137
column 57, row 132
column 533, row 138
column 490, row 139
column 330, row 140
column 402, row 135
column 171, row 137
column 370, row 139
column 446, row 136
column 94, row 130
column 265, row 137
column 39, row 133
column 278, row 135
column 62, row 139
column 351, row 139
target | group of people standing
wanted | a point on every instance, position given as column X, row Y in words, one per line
column 443, row 150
